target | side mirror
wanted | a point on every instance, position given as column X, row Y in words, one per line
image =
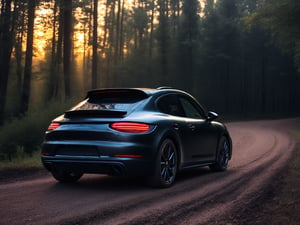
column 212, row 116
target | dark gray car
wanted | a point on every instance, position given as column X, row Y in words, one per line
column 135, row 131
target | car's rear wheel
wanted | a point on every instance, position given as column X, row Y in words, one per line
column 166, row 165
column 66, row 176
column 223, row 156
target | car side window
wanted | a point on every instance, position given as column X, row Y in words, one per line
column 169, row 104
column 191, row 109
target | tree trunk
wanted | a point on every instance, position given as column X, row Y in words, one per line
column 58, row 51
column 19, row 29
column 263, row 82
column 5, row 52
column 121, row 42
column 163, row 38
column 52, row 90
column 111, row 50
column 151, row 30
column 104, row 42
column 95, row 46
column 25, row 95
column 67, row 49
column 116, row 44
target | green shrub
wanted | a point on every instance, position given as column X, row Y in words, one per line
column 27, row 133
column 22, row 161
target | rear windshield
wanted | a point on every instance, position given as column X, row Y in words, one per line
column 121, row 100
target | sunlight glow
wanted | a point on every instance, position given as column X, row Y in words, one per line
column 82, row 31
column 42, row 33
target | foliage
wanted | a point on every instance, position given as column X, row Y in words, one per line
column 282, row 19
column 24, row 135
column 22, row 161
column 199, row 46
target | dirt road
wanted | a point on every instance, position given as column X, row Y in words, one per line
column 261, row 150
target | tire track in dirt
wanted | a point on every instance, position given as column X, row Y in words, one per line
column 195, row 203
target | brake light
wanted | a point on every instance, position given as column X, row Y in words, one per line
column 53, row 126
column 45, row 153
column 130, row 127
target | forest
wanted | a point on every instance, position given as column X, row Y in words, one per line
column 237, row 57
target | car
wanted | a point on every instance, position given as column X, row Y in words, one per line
column 154, row 133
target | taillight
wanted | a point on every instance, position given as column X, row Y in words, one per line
column 53, row 126
column 45, row 153
column 130, row 127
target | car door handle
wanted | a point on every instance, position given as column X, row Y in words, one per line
column 192, row 127
column 176, row 126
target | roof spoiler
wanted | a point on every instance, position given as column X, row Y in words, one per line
column 116, row 91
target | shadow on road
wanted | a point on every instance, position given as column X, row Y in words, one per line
column 103, row 182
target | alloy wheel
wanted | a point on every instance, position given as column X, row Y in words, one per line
column 168, row 163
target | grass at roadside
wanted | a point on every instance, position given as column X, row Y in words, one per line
column 22, row 162
column 24, row 135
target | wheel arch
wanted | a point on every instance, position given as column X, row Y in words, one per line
column 176, row 140
column 227, row 136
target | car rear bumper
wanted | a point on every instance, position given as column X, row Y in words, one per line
column 125, row 167
column 123, row 159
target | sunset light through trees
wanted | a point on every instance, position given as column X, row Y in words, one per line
column 218, row 50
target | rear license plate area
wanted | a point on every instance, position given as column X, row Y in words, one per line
column 77, row 151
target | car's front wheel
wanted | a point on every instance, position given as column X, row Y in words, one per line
column 66, row 176
column 223, row 156
column 166, row 165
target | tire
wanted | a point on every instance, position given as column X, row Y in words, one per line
column 165, row 165
column 223, row 156
column 66, row 176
